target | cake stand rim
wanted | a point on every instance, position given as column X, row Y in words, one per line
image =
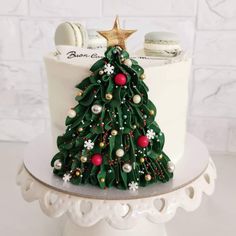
column 115, row 199
column 127, row 197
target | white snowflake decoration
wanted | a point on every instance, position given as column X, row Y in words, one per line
column 109, row 69
column 66, row 177
column 89, row 144
column 150, row 134
column 133, row 186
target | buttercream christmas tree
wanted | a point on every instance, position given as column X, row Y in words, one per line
column 112, row 138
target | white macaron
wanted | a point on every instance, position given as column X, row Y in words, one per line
column 95, row 40
column 163, row 44
column 73, row 34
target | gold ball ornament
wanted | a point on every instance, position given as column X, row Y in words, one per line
column 114, row 132
column 152, row 112
column 142, row 160
column 102, row 180
column 148, row 177
column 142, row 77
column 108, row 96
column 80, row 93
column 78, row 172
column 80, row 129
column 101, row 144
column 83, row 159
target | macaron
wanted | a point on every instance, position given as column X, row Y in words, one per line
column 73, row 34
column 162, row 44
column 95, row 40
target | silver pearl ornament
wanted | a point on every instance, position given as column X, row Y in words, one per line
column 126, row 168
column 71, row 113
column 136, row 99
column 120, row 152
column 101, row 72
column 96, row 109
column 128, row 62
column 57, row 165
column 171, row 166
column 114, row 132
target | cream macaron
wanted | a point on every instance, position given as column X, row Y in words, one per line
column 162, row 44
column 95, row 40
column 73, row 34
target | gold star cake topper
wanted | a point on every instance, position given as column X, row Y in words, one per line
column 116, row 36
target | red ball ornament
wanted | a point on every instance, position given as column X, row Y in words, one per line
column 96, row 159
column 120, row 79
column 142, row 141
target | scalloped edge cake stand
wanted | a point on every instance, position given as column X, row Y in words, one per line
column 91, row 211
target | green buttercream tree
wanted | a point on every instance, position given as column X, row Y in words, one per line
column 112, row 138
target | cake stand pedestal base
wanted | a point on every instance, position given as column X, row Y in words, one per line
column 144, row 227
column 91, row 211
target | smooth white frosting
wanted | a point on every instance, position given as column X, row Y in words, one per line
column 168, row 90
column 168, row 85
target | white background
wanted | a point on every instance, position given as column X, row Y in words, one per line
column 207, row 29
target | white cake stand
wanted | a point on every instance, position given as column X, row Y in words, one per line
column 91, row 211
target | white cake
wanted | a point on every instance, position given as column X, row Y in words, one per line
column 168, row 90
